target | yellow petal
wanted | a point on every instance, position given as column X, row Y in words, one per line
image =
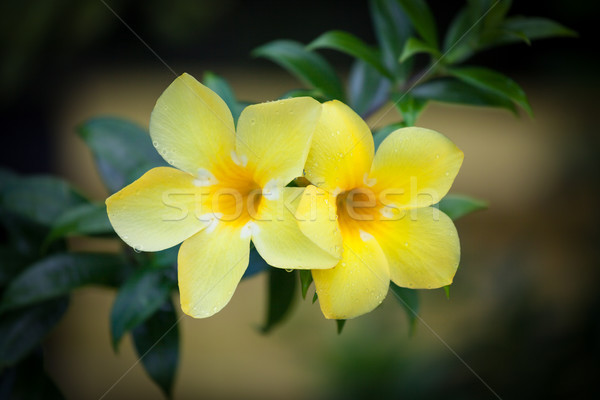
column 342, row 149
column 157, row 211
column 358, row 283
column 317, row 218
column 278, row 239
column 210, row 266
column 415, row 167
column 421, row 246
column 191, row 126
column 274, row 138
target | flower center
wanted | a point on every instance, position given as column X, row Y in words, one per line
column 356, row 208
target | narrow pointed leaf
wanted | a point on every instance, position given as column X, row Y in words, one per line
column 493, row 81
column 422, row 20
column 349, row 44
column 86, row 219
column 410, row 107
column 415, row 46
column 22, row 330
column 221, row 87
column 156, row 341
column 367, row 89
column 340, row 325
column 281, row 294
column 307, row 66
column 256, row 264
column 392, row 28
column 123, row 151
column 305, row 280
column 455, row 91
column 141, row 295
column 409, row 299
column 447, row 291
column 461, row 38
column 59, row 274
column 456, row 206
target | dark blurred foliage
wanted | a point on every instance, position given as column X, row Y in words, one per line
column 45, row 44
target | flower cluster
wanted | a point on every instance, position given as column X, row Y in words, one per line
column 363, row 218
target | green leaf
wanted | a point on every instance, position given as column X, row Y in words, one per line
column 59, row 274
column 141, row 295
column 303, row 93
column 415, row 46
column 367, row 89
column 307, row 66
column 340, row 325
column 13, row 262
column 22, row 330
column 40, row 199
column 220, row 86
column 85, row 219
column 315, row 297
column 456, row 206
column 409, row 299
column 494, row 82
column 28, row 380
column 282, row 291
column 409, row 107
column 349, row 44
column 516, row 29
column 392, row 28
column 306, row 280
column 156, row 341
column 422, row 20
column 461, row 38
column 447, row 291
column 256, row 263
column 123, row 150
column 380, row 134
column 496, row 14
column 454, row 91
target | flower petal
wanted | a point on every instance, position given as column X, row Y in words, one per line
column 274, row 138
column 157, row 211
column 210, row 266
column 415, row 167
column 317, row 218
column 191, row 126
column 358, row 283
column 278, row 238
column 421, row 246
column 342, row 149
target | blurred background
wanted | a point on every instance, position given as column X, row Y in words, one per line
column 524, row 311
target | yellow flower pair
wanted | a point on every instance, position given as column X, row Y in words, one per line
column 363, row 220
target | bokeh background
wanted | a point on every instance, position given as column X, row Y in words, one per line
column 524, row 311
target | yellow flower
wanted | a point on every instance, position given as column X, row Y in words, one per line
column 229, row 189
column 377, row 208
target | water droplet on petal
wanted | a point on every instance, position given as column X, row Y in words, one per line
column 288, row 270
column 437, row 156
column 138, row 248
column 155, row 143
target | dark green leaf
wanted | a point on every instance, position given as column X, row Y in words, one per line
column 58, row 274
column 409, row 299
column 409, row 107
column 220, row 86
column 516, row 29
column 156, row 341
column 496, row 14
column 11, row 263
column 315, row 297
column 40, row 199
column 340, row 325
column 349, row 44
column 28, row 380
column 380, row 134
column 456, row 206
column 494, row 82
column 367, row 89
column 165, row 258
column 302, row 93
column 392, row 28
column 22, row 330
column 415, row 46
column 123, row 150
column 141, row 295
column 455, row 91
column 256, row 264
column 461, row 38
column 307, row 66
column 85, row 219
column 281, row 292
column 306, row 280
column 422, row 20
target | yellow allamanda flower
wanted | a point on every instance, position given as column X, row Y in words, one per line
column 377, row 207
column 228, row 189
